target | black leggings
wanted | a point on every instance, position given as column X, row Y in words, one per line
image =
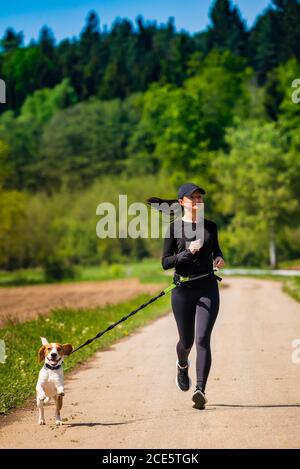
column 200, row 303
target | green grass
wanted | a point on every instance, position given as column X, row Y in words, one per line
column 19, row 373
column 278, row 278
column 21, row 277
column 147, row 270
column 292, row 287
column 289, row 264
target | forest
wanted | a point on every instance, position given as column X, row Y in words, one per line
column 138, row 110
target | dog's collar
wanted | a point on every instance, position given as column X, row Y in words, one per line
column 52, row 367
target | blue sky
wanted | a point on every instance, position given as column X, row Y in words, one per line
column 67, row 17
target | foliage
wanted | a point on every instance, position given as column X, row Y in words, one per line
column 133, row 109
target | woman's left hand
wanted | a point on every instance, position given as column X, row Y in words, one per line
column 219, row 262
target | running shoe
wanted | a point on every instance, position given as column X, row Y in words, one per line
column 183, row 381
column 199, row 398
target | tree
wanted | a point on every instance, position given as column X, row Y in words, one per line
column 180, row 126
column 23, row 133
column 117, row 78
column 90, row 141
column 291, row 30
column 4, row 164
column 20, row 72
column 275, row 37
column 264, row 44
column 227, row 30
column 48, row 71
column 92, row 56
column 289, row 122
column 12, row 219
column 11, row 40
column 273, row 95
column 256, row 182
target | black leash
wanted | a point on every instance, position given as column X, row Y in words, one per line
column 178, row 280
column 123, row 319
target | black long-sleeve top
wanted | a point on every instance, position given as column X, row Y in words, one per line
column 176, row 253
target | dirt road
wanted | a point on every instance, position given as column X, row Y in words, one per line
column 24, row 303
column 126, row 397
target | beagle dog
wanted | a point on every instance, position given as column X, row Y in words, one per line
column 51, row 379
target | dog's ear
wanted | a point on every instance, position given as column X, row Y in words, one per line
column 67, row 349
column 41, row 354
column 44, row 341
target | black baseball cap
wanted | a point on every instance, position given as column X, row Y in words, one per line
column 188, row 188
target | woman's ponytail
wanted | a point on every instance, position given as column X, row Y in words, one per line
column 169, row 207
column 158, row 200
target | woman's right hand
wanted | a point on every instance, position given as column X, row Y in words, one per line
column 195, row 246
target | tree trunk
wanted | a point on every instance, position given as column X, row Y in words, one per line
column 272, row 248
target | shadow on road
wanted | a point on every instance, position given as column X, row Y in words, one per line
column 95, row 424
column 254, row 406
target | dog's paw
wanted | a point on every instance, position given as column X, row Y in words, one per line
column 41, row 422
column 58, row 422
column 60, row 391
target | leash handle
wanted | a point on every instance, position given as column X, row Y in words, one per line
column 169, row 288
column 179, row 280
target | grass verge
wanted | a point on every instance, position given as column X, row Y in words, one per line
column 147, row 270
column 19, row 373
column 292, row 287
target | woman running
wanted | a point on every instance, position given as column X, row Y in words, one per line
column 195, row 303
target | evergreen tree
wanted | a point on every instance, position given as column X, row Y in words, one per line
column 275, row 37
column 48, row 73
column 92, row 56
column 265, row 39
column 11, row 40
column 228, row 29
column 290, row 46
